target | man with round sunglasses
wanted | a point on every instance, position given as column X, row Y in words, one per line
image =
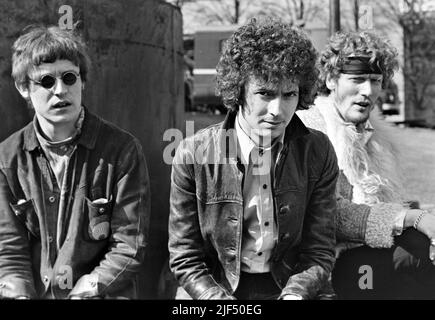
column 74, row 188
column 385, row 249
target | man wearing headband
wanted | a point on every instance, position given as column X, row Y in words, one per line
column 378, row 235
column 253, row 198
column 74, row 189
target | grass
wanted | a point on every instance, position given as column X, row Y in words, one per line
column 418, row 145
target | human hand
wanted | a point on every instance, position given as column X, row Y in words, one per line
column 85, row 288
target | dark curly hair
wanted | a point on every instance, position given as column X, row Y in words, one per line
column 272, row 51
column 342, row 45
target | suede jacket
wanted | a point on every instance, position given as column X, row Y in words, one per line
column 206, row 212
column 103, row 231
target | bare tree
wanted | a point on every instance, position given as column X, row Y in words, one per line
column 224, row 12
column 180, row 3
column 352, row 13
column 219, row 12
column 419, row 47
column 296, row 12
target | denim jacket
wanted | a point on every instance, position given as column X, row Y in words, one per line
column 103, row 242
column 206, row 212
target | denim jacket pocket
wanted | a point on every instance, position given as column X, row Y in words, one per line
column 25, row 212
column 99, row 213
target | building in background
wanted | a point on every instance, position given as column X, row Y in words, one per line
column 408, row 24
column 202, row 51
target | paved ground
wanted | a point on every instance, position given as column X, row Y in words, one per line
column 419, row 163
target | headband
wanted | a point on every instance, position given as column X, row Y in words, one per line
column 360, row 65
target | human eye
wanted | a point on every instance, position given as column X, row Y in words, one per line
column 264, row 93
column 358, row 79
column 291, row 94
column 43, row 75
column 377, row 80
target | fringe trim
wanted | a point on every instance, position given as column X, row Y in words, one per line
column 372, row 168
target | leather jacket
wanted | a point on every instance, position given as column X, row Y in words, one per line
column 206, row 212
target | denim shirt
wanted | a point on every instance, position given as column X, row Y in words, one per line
column 105, row 227
column 206, row 212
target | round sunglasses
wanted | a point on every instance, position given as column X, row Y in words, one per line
column 47, row 81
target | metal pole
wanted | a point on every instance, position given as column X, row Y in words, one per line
column 237, row 11
column 356, row 8
column 334, row 16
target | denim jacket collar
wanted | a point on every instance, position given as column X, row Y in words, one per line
column 87, row 137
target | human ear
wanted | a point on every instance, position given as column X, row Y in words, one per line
column 23, row 90
column 330, row 83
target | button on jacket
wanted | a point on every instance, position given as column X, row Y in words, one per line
column 206, row 212
column 105, row 225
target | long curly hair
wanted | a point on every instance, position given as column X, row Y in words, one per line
column 345, row 44
column 271, row 51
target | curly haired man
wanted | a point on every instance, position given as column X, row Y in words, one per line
column 374, row 230
column 253, row 198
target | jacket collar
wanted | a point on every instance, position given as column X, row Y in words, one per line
column 294, row 130
column 88, row 136
column 247, row 144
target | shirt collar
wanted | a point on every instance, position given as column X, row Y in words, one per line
column 368, row 126
column 68, row 141
column 247, row 145
column 89, row 132
column 295, row 129
column 367, row 132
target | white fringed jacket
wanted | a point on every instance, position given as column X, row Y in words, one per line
column 369, row 189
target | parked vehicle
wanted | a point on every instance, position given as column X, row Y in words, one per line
column 202, row 52
column 389, row 100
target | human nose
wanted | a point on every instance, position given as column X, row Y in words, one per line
column 367, row 88
column 59, row 87
column 274, row 105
